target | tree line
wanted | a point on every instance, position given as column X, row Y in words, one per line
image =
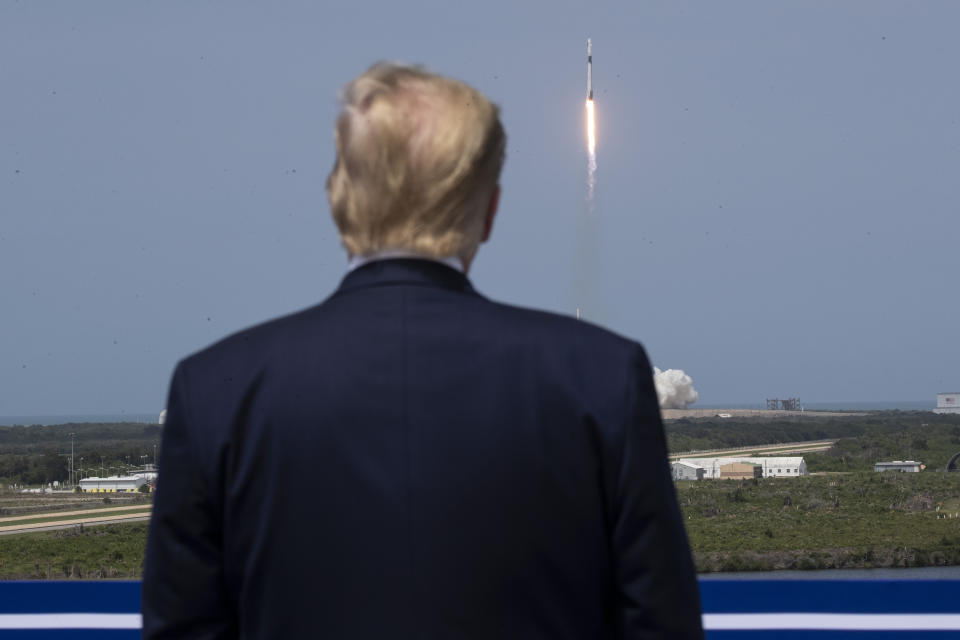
column 40, row 454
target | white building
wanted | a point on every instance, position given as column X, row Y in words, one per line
column 948, row 403
column 906, row 466
column 685, row 470
column 113, row 484
column 148, row 475
column 792, row 467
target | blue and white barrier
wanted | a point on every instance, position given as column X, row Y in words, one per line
column 827, row 609
column 75, row 610
column 781, row 609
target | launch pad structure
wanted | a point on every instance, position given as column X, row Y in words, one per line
column 784, row 404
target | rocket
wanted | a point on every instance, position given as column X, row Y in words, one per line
column 589, row 70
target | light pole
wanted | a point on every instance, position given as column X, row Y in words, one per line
column 154, row 455
column 101, row 466
column 81, row 467
column 72, row 483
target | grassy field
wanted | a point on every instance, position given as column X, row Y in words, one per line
column 834, row 521
column 820, row 522
column 107, row 551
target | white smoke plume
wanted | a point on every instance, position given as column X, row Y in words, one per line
column 591, row 178
column 674, row 388
column 591, row 152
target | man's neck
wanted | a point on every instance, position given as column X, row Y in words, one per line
column 355, row 262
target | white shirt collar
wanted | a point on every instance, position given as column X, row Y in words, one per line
column 389, row 254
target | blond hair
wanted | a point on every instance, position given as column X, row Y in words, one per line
column 418, row 158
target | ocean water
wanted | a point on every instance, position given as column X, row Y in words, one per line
column 904, row 405
column 846, row 405
column 149, row 418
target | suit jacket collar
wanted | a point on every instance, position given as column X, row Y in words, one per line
column 406, row 271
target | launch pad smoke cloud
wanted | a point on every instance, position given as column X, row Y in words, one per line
column 674, row 388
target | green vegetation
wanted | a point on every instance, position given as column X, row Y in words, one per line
column 932, row 444
column 108, row 551
column 818, row 522
column 832, row 521
column 849, row 517
column 40, row 454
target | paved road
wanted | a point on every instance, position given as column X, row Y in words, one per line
column 69, row 524
column 79, row 512
column 765, row 449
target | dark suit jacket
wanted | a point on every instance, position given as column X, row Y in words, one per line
column 411, row 460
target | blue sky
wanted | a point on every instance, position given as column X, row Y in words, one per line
column 776, row 205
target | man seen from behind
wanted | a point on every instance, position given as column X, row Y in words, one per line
column 408, row 459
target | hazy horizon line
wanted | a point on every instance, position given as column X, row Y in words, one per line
column 151, row 417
